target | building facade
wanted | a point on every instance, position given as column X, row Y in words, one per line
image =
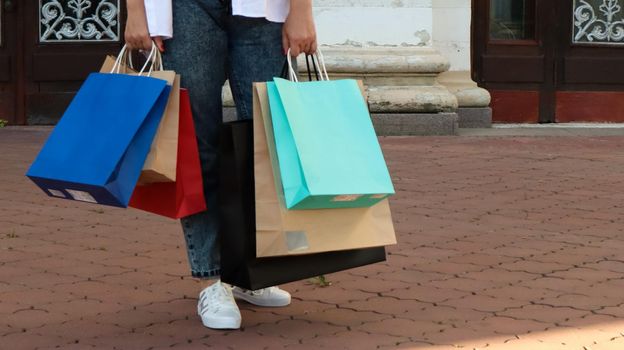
column 427, row 63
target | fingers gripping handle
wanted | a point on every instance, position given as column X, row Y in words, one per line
column 319, row 65
column 154, row 60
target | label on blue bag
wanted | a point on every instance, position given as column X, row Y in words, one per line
column 82, row 196
column 56, row 193
column 346, row 198
column 296, row 241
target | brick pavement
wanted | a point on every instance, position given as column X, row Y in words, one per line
column 505, row 243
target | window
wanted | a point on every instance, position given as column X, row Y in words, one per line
column 512, row 19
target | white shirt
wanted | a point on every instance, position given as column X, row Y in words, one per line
column 160, row 18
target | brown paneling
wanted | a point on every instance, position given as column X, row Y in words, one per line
column 47, row 108
column 590, row 106
column 515, row 69
column 7, row 110
column 515, row 106
column 74, row 67
column 11, row 99
column 593, row 70
column 5, row 68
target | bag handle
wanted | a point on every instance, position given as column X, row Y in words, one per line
column 318, row 64
column 291, row 70
column 154, row 59
column 316, row 74
column 321, row 64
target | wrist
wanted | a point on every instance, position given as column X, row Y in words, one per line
column 135, row 7
column 300, row 6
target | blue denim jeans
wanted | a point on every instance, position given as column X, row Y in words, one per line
column 209, row 46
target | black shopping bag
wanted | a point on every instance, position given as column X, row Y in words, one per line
column 239, row 264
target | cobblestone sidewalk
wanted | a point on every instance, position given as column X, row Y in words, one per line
column 505, row 243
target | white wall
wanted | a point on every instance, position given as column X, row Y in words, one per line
column 374, row 22
column 452, row 30
column 443, row 24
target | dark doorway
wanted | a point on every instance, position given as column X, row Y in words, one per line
column 48, row 48
column 11, row 63
column 550, row 60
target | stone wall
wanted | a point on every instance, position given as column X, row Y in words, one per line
column 413, row 56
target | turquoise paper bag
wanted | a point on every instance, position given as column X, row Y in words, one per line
column 328, row 153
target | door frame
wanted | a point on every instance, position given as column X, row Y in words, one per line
column 55, row 70
column 579, row 81
column 540, row 89
column 12, row 46
column 44, row 76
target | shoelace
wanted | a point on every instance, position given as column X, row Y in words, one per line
column 258, row 292
column 213, row 299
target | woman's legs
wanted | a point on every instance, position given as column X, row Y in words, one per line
column 255, row 51
column 198, row 52
column 209, row 45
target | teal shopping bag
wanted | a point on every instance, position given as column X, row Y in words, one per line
column 328, row 153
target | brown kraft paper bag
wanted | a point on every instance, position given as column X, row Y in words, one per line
column 282, row 232
column 160, row 165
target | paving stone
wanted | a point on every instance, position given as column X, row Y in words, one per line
column 534, row 267
column 373, row 284
column 185, row 329
column 483, row 303
column 401, row 327
column 482, row 259
column 243, row 340
column 544, row 313
column 559, row 284
column 517, row 292
column 587, row 274
column 509, row 326
column 426, row 293
column 447, row 315
column 615, row 344
column 388, row 305
column 617, row 311
column 583, row 302
column 356, row 340
column 460, row 336
column 527, row 230
column 27, row 340
column 73, row 331
column 499, row 274
column 467, row 284
column 299, row 329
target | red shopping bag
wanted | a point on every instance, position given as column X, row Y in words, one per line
column 185, row 196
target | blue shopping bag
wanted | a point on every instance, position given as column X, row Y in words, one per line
column 98, row 148
column 328, row 153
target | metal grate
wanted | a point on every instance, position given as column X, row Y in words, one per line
column 79, row 21
column 598, row 22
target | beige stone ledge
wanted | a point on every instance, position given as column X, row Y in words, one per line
column 382, row 60
column 398, row 79
column 465, row 89
column 410, row 99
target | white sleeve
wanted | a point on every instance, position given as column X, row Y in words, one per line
column 159, row 18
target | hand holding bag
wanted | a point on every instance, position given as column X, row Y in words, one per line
column 97, row 150
column 160, row 165
column 240, row 265
column 248, row 221
column 329, row 155
column 291, row 232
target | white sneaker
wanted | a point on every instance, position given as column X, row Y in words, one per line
column 217, row 307
column 270, row 297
